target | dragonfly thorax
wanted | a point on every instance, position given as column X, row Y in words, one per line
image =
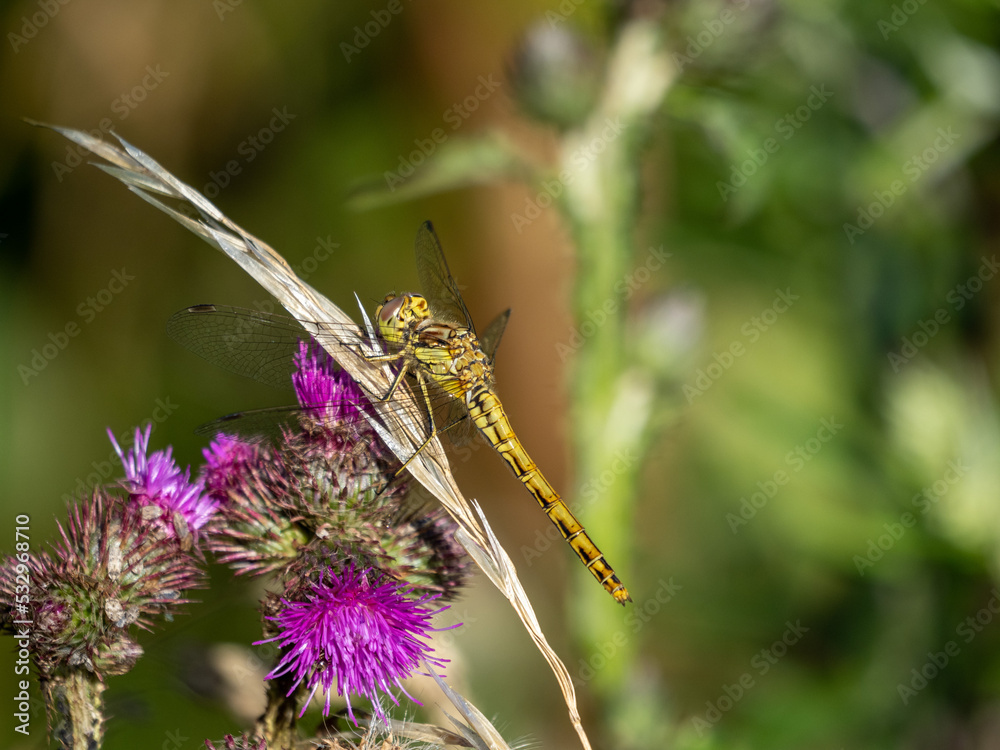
column 398, row 315
column 447, row 354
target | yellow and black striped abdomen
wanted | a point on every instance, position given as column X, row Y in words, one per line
column 490, row 418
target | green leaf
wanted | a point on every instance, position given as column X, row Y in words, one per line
column 452, row 164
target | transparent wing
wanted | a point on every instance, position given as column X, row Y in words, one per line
column 490, row 339
column 264, row 347
column 256, row 425
column 436, row 281
column 253, row 344
column 257, row 345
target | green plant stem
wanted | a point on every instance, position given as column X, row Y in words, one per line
column 277, row 723
column 74, row 708
column 610, row 405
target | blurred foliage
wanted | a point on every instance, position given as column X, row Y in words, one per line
column 817, row 513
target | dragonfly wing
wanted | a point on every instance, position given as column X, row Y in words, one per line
column 256, row 425
column 246, row 342
column 264, row 347
column 490, row 339
column 270, row 425
column 254, row 344
column 436, row 281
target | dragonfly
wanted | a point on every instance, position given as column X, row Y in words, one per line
column 430, row 341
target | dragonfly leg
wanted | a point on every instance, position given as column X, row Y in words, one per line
column 430, row 417
column 387, row 358
column 395, row 384
column 390, row 357
column 430, row 420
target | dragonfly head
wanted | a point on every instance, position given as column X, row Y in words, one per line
column 399, row 314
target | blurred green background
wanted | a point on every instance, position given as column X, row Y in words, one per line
column 813, row 539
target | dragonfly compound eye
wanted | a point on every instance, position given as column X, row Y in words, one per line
column 398, row 315
column 389, row 309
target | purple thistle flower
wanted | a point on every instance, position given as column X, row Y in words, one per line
column 228, row 461
column 358, row 629
column 437, row 561
column 254, row 531
column 325, row 391
column 157, row 480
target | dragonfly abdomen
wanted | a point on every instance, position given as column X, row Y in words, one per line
column 488, row 414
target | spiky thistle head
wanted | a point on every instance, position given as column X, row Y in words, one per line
column 352, row 630
column 357, row 572
column 110, row 569
column 423, row 551
column 243, row 742
column 326, row 491
column 253, row 532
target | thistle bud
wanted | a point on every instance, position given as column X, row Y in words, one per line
column 555, row 75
